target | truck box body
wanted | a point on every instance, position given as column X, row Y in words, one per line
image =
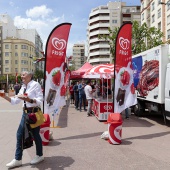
column 149, row 73
column 167, row 92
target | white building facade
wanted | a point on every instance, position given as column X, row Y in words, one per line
column 156, row 13
column 112, row 15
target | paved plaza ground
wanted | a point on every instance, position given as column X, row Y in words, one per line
column 77, row 145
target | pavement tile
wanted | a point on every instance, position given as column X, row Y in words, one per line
column 77, row 145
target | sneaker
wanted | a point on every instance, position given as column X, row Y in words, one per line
column 85, row 110
column 14, row 163
column 127, row 118
column 36, row 160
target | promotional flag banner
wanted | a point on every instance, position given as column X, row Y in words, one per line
column 55, row 55
column 124, row 91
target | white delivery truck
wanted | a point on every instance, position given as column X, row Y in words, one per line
column 152, row 80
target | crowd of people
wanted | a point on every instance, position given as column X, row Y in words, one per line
column 81, row 94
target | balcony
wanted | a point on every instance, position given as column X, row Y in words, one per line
column 98, row 32
column 98, row 53
column 99, row 11
column 99, row 18
column 99, row 60
column 99, row 46
column 99, row 25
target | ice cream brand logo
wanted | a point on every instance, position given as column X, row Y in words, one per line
column 59, row 44
column 108, row 108
column 124, row 44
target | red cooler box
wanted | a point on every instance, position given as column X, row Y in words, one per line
column 115, row 128
column 45, row 130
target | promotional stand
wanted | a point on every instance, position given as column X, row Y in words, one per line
column 102, row 106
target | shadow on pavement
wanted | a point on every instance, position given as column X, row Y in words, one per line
column 149, row 136
column 53, row 163
column 54, row 143
column 63, row 117
column 82, row 136
column 135, row 121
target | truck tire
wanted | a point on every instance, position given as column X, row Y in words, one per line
column 138, row 109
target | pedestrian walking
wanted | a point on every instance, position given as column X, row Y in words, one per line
column 127, row 113
column 88, row 91
column 71, row 93
column 32, row 96
column 16, row 88
column 76, row 95
column 82, row 95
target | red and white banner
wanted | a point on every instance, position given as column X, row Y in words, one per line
column 55, row 55
column 124, row 91
column 105, row 71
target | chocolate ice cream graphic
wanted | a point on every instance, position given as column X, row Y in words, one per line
column 120, row 96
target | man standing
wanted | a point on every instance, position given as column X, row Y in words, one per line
column 82, row 96
column 76, row 95
column 16, row 88
column 88, row 91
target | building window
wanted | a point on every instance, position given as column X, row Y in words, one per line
column 24, row 47
column 24, row 62
column 16, row 70
column 16, row 61
column 16, row 54
column 159, row 1
column 6, row 61
column 168, row 34
column 6, row 54
column 153, row 6
column 142, row 5
column 168, row 19
column 7, row 70
column 168, row 5
column 114, row 21
column 24, row 54
column 142, row 16
column 159, row 13
column 6, row 46
column 153, row 18
column 159, row 25
column 16, row 46
column 24, row 69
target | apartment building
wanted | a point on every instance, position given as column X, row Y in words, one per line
column 156, row 13
column 78, row 57
column 112, row 15
column 17, row 56
column 10, row 37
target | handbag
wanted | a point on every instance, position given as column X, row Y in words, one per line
column 27, row 138
column 39, row 117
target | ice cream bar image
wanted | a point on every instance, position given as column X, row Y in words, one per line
column 120, row 96
column 51, row 97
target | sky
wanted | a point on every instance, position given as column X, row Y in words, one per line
column 44, row 15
